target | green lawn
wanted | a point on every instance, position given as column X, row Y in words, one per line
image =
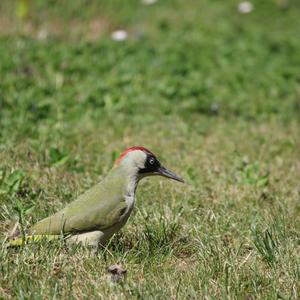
column 214, row 93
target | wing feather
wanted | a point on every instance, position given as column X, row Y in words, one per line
column 97, row 209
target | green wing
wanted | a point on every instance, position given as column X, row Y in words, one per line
column 99, row 208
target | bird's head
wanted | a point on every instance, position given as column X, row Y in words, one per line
column 140, row 162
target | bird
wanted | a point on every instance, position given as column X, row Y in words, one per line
column 96, row 215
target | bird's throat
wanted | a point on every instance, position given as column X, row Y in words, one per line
column 131, row 186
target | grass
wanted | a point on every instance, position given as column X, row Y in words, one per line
column 213, row 92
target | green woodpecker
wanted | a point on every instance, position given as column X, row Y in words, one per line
column 104, row 209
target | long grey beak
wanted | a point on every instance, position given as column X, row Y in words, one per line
column 166, row 173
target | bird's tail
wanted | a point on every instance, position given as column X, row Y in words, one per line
column 21, row 241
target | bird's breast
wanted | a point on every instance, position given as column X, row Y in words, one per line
column 130, row 204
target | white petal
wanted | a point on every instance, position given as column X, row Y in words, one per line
column 245, row 7
column 119, row 35
column 149, row 2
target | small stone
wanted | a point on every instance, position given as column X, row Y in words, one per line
column 42, row 34
column 214, row 108
column 117, row 273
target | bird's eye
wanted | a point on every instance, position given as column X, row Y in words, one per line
column 152, row 161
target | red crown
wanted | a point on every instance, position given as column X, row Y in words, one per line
column 129, row 150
